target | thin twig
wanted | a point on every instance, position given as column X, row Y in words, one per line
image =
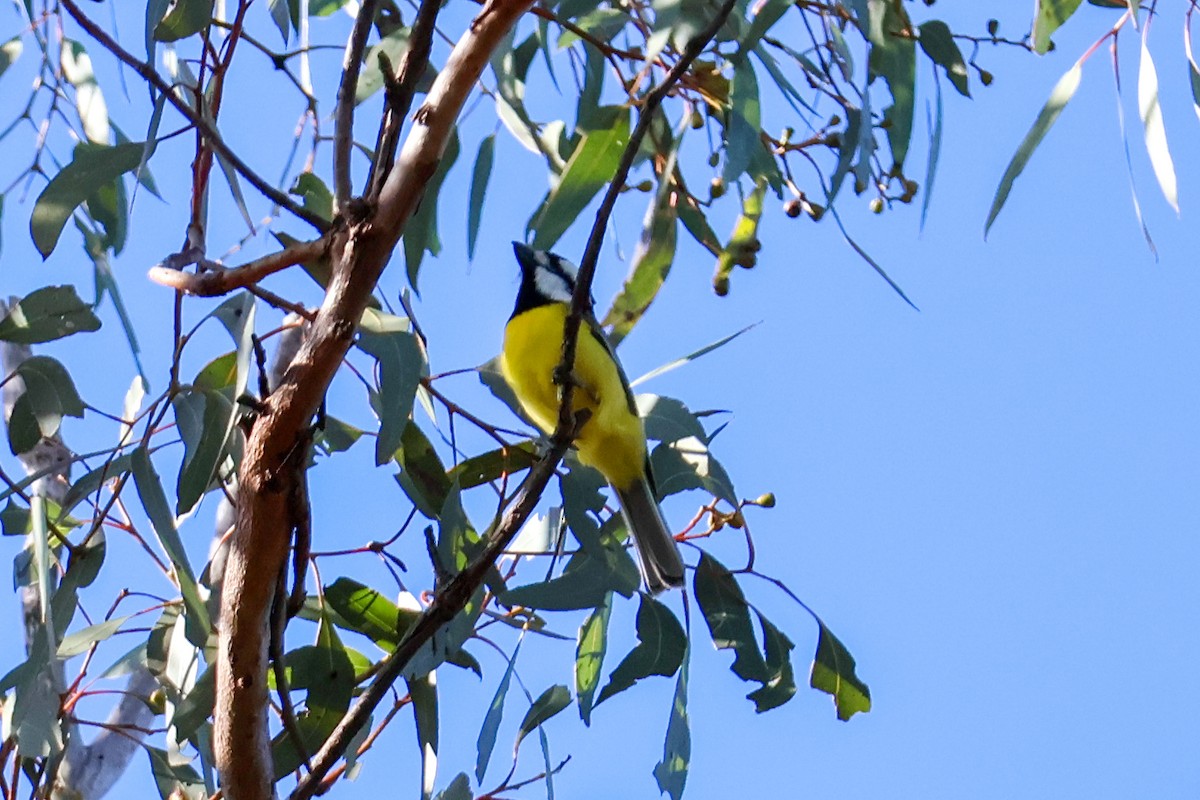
column 343, row 117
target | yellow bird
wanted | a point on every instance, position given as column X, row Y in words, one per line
column 612, row 439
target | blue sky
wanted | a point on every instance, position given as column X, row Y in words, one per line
column 991, row 501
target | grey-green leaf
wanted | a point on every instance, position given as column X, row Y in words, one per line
column 46, row 314
column 671, row 773
column 1063, row 91
column 479, row 182
column 185, row 18
column 591, row 645
column 938, row 43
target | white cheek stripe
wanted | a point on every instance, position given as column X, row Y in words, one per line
column 552, row 286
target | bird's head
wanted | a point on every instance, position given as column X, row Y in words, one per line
column 545, row 277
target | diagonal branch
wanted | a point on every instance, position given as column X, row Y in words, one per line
column 151, row 76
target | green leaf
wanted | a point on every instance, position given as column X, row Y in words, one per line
column 651, row 264
column 744, row 130
column 486, row 742
column 458, row 789
column 671, row 773
column 659, row 651
column 588, row 170
column 549, row 703
column 494, row 464
column 154, row 501
column 420, row 234
column 185, row 18
column 585, row 583
column 728, row 616
column 1063, row 91
column 174, row 781
column 337, row 435
column 688, row 464
column 10, row 51
column 479, row 182
column 314, row 194
column 1048, row 17
column 1156, row 132
column 366, row 611
column 894, row 58
column 402, row 365
column 591, row 645
column 203, row 421
column 766, row 16
column 325, row 672
column 422, row 475
column 697, row 225
column 742, row 249
column 938, row 43
column 1193, row 70
column 667, row 419
column 780, row 684
column 49, row 393
column 46, row 314
column 833, row 673
column 92, row 167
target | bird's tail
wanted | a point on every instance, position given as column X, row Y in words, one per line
column 658, row 555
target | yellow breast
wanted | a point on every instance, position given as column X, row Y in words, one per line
column 613, row 439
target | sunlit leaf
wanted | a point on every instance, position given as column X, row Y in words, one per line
column 1048, row 17
column 587, row 171
column 89, row 100
column 80, row 641
column 10, row 51
column 650, row 266
column 1156, row 132
column 742, row 248
column 591, row 645
column 833, row 673
column 492, row 465
column 368, row 612
column 314, row 194
column 47, row 314
column 1063, row 91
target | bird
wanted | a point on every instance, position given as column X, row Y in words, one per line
column 612, row 439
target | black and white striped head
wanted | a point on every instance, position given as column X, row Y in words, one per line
column 545, row 278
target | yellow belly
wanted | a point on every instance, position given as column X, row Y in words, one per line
column 613, row 439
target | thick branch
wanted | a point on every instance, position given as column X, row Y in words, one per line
column 343, row 116
column 260, row 542
column 151, row 76
column 215, row 282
